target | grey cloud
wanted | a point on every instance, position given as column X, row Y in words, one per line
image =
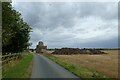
column 102, row 10
column 61, row 24
column 51, row 15
column 111, row 43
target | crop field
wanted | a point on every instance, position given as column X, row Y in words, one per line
column 106, row 64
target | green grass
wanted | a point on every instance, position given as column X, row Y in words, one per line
column 79, row 71
column 19, row 70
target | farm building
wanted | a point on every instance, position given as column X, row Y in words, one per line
column 40, row 47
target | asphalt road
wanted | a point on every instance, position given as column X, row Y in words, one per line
column 45, row 68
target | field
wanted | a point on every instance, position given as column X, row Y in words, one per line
column 106, row 64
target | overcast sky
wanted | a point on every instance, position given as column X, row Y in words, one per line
column 70, row 24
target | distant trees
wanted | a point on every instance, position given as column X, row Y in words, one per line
column 15, row 32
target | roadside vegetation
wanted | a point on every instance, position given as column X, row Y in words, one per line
column 106, row 64
column 15, row 32
column 15, row 39
column 89, row 66
column 20, row 68
column 78, row 70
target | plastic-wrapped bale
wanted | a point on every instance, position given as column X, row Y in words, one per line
column 69, row 51
column 93, row 51
column 56, row 52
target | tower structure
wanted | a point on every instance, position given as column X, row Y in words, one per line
column 40, row 46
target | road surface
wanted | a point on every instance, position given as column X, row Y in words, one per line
column 45, row 68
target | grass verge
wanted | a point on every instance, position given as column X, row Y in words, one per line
column 20, row 69
column 79, row 71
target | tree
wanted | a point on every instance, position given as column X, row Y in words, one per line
column 15, row 32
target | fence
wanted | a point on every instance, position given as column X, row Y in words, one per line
column 8, row 58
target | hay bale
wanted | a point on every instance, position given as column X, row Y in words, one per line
column 69, row 51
